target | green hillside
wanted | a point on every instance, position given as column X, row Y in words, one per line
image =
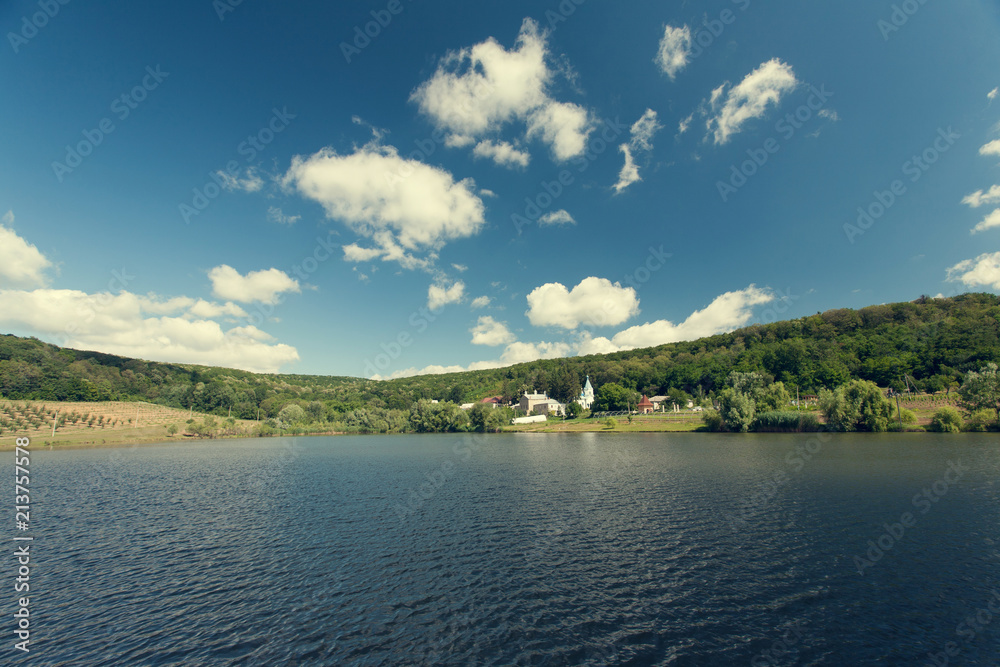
column 929, row 344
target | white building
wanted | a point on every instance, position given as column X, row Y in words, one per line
column 586, row 395
column 542, row 404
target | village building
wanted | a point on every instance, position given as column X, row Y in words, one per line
column 541, row 404
column 645, row 406
column 659, row 401
column 586, row 398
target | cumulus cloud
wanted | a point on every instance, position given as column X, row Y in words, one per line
column 502, row 153
column 675, row 50
column 983, row 270
column 480, row 302
column 490, row 332
column 403, row 206
column 989, row 222
column 731, row 108
column 992, row 148
column 261, row 286
column 594, row 302
column 727, row 312
column 480, row 89
column 122, row 324
column 275, row 214
column 252, row 182
column 21, row 263
column 559, row 217
column 979, row 198
column 439, row 296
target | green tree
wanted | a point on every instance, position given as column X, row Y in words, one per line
column 316, row 411
column 858, row 406
column 610, row 422
column 774, row 397
column 612, row 397
column 981, row 391
column 574, row 410
column 737, row 409
column 292, row 415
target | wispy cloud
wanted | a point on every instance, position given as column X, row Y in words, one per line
column 732, row 108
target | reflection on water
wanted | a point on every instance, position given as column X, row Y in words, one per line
column 596, row 549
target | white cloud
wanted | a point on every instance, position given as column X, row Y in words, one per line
column 674, row 51
column 629, row 173
column 120, row 324
column 727, row 312
column 251, row 183
column 644, row 129
column 989, row 222
column 562, row 125
column 762, row 88
column 560, row 217
column 461, row 268
column 403, row 205
column 992, row 148
column 21, row 263
column 515, row 353
column 594, row 302
column 829, row 114
column 685, row 123
column 502, row 153
column 263, row 286
column 355, row 253
column 480, row 302
column 275, row 214
column 979, row 198
column 983, row 270
column 478, row 90
column 992, row 95
column 206, row 310
column 439, row 296
column 490, row 332
column 483, row 192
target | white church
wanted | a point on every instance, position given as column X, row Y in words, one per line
column 586, row 395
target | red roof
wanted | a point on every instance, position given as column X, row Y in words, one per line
column 644, row 403
column 492, row 399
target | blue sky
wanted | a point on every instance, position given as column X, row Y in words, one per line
column 266, row 186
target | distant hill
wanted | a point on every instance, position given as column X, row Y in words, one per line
column 928, row 343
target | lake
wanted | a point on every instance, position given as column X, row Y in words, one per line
column 587, row 549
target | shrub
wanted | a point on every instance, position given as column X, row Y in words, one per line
column 980, row 421
column 778, row 421
column 712, row 420
column 946, row 420
column 908, row 416
column 610, row 422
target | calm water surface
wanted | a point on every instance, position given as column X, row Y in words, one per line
column 594, row 549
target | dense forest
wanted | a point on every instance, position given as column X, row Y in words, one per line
column 929, row 345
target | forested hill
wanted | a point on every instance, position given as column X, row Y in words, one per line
column 929, row 343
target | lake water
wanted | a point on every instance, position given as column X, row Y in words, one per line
column 589, row 549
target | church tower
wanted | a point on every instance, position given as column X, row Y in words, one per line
column 586, row 396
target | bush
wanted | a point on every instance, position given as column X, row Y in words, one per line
column 712, row 420
column 784, row 421
column 946, row 420
column 610, row 422
column 907, row 416
column 980, row 421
